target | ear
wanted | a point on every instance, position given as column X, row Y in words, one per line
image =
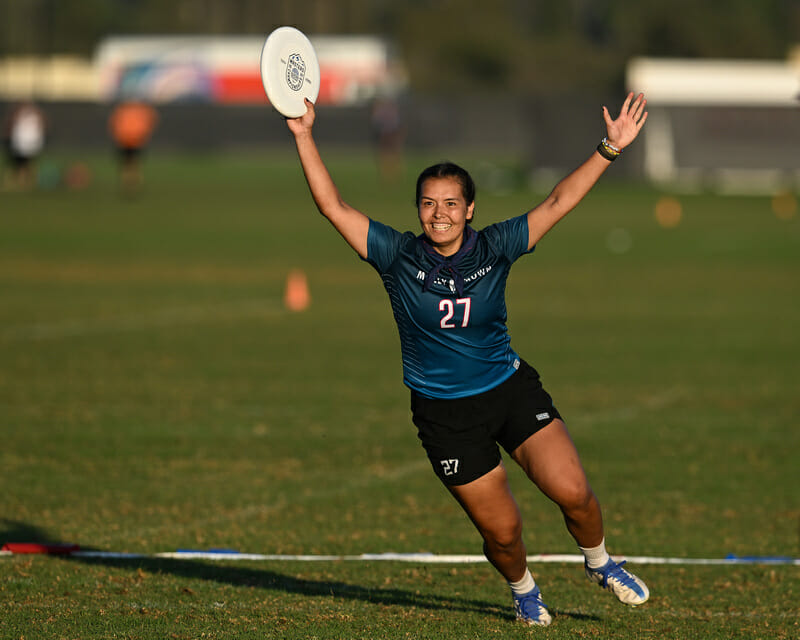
column 470, row 210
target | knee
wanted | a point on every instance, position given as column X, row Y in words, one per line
column 577, row 496
column 504, row 538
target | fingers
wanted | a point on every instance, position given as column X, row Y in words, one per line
column 304, row 121
column 639, row 114
column 625, row 128
column 607, row 116
column 638, row 105
column 634, row 112
column 626, row 105
column 310, row 112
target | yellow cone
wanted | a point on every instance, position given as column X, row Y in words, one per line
column 297, row 297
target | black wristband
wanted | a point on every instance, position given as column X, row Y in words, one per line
column 601, row 149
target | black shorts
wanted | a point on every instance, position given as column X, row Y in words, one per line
column 461, row 435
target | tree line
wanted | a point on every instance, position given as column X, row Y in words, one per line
column 520, row 46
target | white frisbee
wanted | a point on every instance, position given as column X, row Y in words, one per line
column 289, row 71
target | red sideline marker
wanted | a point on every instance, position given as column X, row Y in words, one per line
column 35, row 547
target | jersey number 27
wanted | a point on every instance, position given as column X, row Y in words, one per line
column 448, row 307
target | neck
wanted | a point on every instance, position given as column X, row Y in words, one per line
column 449, row 250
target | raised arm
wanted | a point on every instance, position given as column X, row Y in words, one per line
column 349, row 222
column 572, row 189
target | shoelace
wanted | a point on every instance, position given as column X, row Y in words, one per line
column 526, row 599
column 619, row 574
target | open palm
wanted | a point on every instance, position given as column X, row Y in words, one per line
column 632, row 116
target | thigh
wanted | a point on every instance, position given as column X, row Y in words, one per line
column 551, row 461
column 490, row 505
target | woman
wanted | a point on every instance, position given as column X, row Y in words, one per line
column 469, row 390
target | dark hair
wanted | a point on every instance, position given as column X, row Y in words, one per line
column 448, row 170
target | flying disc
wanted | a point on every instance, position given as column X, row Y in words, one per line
column 289, row 71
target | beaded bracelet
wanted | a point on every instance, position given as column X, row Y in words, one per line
column 610, row 146
column 608, row 150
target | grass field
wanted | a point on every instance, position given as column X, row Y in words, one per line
column 155, row 395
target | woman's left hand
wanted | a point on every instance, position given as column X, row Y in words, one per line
column 632, row 116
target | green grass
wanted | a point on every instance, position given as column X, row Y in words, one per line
column 155, row 395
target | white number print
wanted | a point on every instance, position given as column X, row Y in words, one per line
column 450, row 466
column 449, row 309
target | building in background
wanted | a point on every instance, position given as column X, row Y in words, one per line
column 226, row 70
column 212, row 69
column 730, row 125
column 723, row 124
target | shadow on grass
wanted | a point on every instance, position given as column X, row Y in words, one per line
column 237, row 576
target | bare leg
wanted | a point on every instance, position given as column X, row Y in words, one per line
column 494, row 512
column 551, row 461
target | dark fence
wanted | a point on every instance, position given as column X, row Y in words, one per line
column 549, row 134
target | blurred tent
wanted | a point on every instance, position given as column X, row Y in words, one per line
column 212, row 69
column 731, row 125
column 48, row 78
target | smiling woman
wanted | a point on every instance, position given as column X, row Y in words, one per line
column 471, row 393
column 446, row 204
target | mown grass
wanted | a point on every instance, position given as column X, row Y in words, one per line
column 155, row 395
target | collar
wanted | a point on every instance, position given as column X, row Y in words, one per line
column 448, row 263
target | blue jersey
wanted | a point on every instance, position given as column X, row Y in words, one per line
column 453, row 344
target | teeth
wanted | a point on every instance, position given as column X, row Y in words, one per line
column 442, row 227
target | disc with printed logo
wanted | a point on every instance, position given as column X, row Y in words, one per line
column 289, row 71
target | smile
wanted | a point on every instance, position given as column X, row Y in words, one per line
column 441, row 226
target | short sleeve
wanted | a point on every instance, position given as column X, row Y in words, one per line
column 510, row 237
column 383, row 245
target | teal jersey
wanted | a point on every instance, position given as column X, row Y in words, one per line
column 454, row 339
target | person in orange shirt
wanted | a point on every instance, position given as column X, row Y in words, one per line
column 131, row 125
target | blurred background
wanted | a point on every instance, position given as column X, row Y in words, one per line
column 525, row 78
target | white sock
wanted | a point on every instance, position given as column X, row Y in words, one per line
column 524, row 585
column 597, row 556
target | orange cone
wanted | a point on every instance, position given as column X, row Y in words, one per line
column 297, row 297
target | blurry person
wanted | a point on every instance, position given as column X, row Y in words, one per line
column 389, row 135
column 471, row 393
column 24, row 137
column 131, row 125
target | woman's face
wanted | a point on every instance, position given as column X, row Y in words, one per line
column 443, row 213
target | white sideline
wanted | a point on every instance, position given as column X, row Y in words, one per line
column 424, row 558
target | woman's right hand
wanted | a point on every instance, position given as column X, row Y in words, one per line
column 304, row 123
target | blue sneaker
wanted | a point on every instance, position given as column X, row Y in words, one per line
column 531, row 610
column 626, row 586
